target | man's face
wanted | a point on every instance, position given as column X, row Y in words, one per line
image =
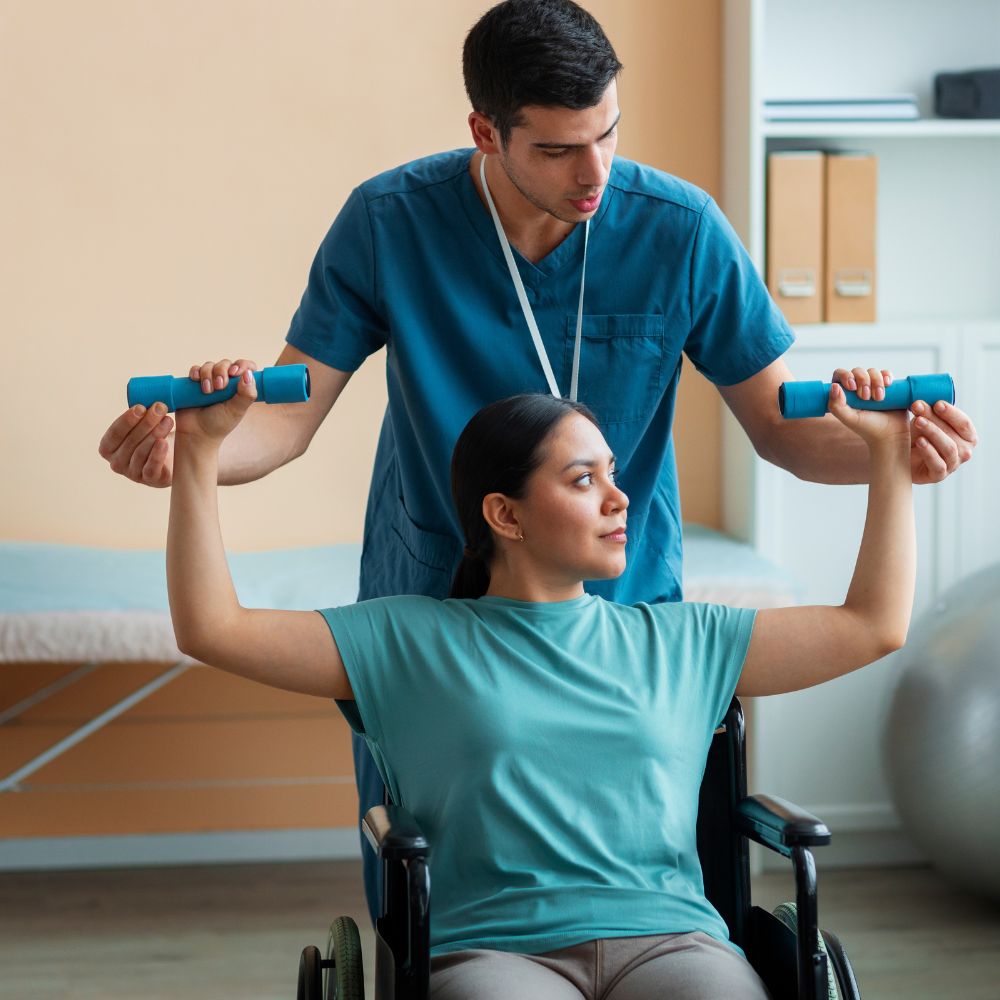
column 559, row 159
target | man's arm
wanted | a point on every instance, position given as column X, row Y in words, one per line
column 140, row 444
column 822, row 450
column 274, row 439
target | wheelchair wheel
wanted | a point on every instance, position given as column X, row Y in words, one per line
column 310, row 971
column 787, row 913
column 346, row 980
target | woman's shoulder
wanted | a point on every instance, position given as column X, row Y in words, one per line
column 679, row 614
column 412, row 606
column 405, row 602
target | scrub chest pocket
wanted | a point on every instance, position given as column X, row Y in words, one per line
column 622, row 365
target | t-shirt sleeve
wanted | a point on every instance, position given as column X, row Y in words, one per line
column 736, row 328
column 366, row 635
column 709, row 643
column 338, row 321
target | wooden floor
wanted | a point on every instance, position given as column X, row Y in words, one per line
column 231, row 932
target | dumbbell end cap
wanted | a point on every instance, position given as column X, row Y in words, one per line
column 286, row 384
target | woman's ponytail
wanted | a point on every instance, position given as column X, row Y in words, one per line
column 472, row 579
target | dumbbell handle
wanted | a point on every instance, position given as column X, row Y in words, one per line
column 811, row 399
column 280, row 384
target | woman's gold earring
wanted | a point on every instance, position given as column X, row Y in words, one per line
column 521, row 537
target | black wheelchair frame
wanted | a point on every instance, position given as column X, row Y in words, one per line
column 794, row 964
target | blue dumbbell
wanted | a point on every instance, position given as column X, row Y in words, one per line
column 280, row 384
column 811, row 399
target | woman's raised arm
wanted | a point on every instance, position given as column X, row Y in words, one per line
column 794, row 648
column 293, row 650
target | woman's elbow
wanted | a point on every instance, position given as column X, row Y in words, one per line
column 890, row 641
column 191, row 643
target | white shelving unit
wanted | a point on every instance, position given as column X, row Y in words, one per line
column 938, row 273
column 922, row 128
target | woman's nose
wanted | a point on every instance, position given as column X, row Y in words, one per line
column 617, row 500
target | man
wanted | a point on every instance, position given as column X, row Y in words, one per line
column 616, row 269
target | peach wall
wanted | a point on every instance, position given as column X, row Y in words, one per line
column 170, row 168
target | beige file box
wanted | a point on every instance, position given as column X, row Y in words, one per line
column 851, row 192
column 795, row 234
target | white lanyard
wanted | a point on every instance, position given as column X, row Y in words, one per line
column 529, row 316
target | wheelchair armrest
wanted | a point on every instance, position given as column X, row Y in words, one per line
column 393, row 833
column 779, row 825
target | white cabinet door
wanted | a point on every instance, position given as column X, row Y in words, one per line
column 979, row 481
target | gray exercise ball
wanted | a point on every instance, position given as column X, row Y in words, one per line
column 941, row 745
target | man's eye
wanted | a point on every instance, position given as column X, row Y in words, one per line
column 554, row 154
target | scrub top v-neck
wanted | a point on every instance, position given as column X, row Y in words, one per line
column 528, row 312
column 413, row 263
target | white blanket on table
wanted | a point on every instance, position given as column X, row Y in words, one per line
column 77, row 604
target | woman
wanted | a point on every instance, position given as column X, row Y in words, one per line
column 521, row 720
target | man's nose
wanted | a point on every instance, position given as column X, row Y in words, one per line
column 591, row 172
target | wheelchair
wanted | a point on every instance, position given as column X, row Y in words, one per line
column 792, row 956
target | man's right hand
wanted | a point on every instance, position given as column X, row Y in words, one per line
column 140, row 445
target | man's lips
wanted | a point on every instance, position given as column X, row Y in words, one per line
column 586, row 204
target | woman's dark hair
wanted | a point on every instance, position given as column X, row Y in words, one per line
column 499, row 449
column 536, row 52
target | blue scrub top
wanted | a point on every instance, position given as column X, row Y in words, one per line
column 413, row 262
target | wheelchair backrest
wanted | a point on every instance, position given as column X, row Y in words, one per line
column 724, row 855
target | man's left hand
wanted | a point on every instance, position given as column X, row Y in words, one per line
column 941, row 439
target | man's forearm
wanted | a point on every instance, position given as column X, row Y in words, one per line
column 265, row 440
column 820, row 450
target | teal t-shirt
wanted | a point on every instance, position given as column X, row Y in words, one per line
column 552, row 754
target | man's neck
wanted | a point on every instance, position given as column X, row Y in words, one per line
column 533, row 232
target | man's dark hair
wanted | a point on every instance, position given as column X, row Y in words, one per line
column 550, row 53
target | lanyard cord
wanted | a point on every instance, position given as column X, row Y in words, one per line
column 529, row 316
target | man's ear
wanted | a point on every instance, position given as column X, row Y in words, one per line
column 484, row 133
column 500, row 515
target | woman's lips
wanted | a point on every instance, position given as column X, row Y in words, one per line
column 615, row 536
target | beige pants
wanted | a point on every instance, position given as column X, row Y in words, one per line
column 659, row 967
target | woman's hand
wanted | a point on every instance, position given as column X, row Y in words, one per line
column 872, row 426
column 213, row 423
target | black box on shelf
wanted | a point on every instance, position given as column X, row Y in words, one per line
column 972, row 94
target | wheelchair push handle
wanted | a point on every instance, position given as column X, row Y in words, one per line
column 278, row 384
column 811, row 399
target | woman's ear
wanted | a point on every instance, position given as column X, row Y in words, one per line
column 501, row 515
